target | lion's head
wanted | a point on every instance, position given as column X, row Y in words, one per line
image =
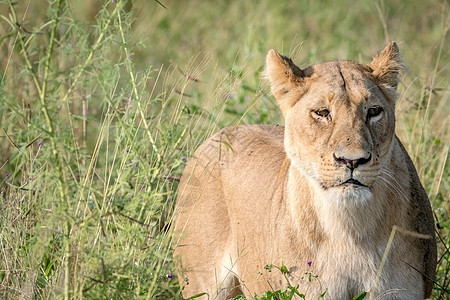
column 339, row 117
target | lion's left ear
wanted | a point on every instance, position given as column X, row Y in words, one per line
column 387, row 65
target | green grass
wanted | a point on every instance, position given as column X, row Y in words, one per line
column 101, row 101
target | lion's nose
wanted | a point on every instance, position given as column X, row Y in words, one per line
column 353, row 163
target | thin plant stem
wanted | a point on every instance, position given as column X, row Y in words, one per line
column 135, row 90
column 383, row 260
column 14, row 24
column 92, row 52
column 42, row 91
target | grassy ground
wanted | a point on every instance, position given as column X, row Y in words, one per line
column 101, row 102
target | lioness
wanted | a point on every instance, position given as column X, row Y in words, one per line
column 326, row 189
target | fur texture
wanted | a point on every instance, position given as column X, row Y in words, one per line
column 328, row 188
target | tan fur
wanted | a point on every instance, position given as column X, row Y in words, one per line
column 259, row 194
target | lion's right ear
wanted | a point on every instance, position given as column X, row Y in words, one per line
column 282, row 73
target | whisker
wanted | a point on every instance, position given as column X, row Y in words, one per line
column 392, row 183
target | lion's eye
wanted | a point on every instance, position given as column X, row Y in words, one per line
column 374, row 111
column 322, row 112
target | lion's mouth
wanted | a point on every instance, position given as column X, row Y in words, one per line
column 354, row 182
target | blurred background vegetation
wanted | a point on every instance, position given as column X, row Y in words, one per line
column 102, row 102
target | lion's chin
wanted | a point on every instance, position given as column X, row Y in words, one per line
column 350, row 192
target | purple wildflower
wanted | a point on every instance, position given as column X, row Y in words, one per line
column 309, row 263
column 169, row 275
column 39, row 144
column 128, row 150
column 74, row 191
column 136, row 164
column 7, row 175
column 184, row 159
column 129, row 58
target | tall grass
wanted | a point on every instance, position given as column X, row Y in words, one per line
column 102, row 102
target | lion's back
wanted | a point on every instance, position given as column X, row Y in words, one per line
column 237, row 158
